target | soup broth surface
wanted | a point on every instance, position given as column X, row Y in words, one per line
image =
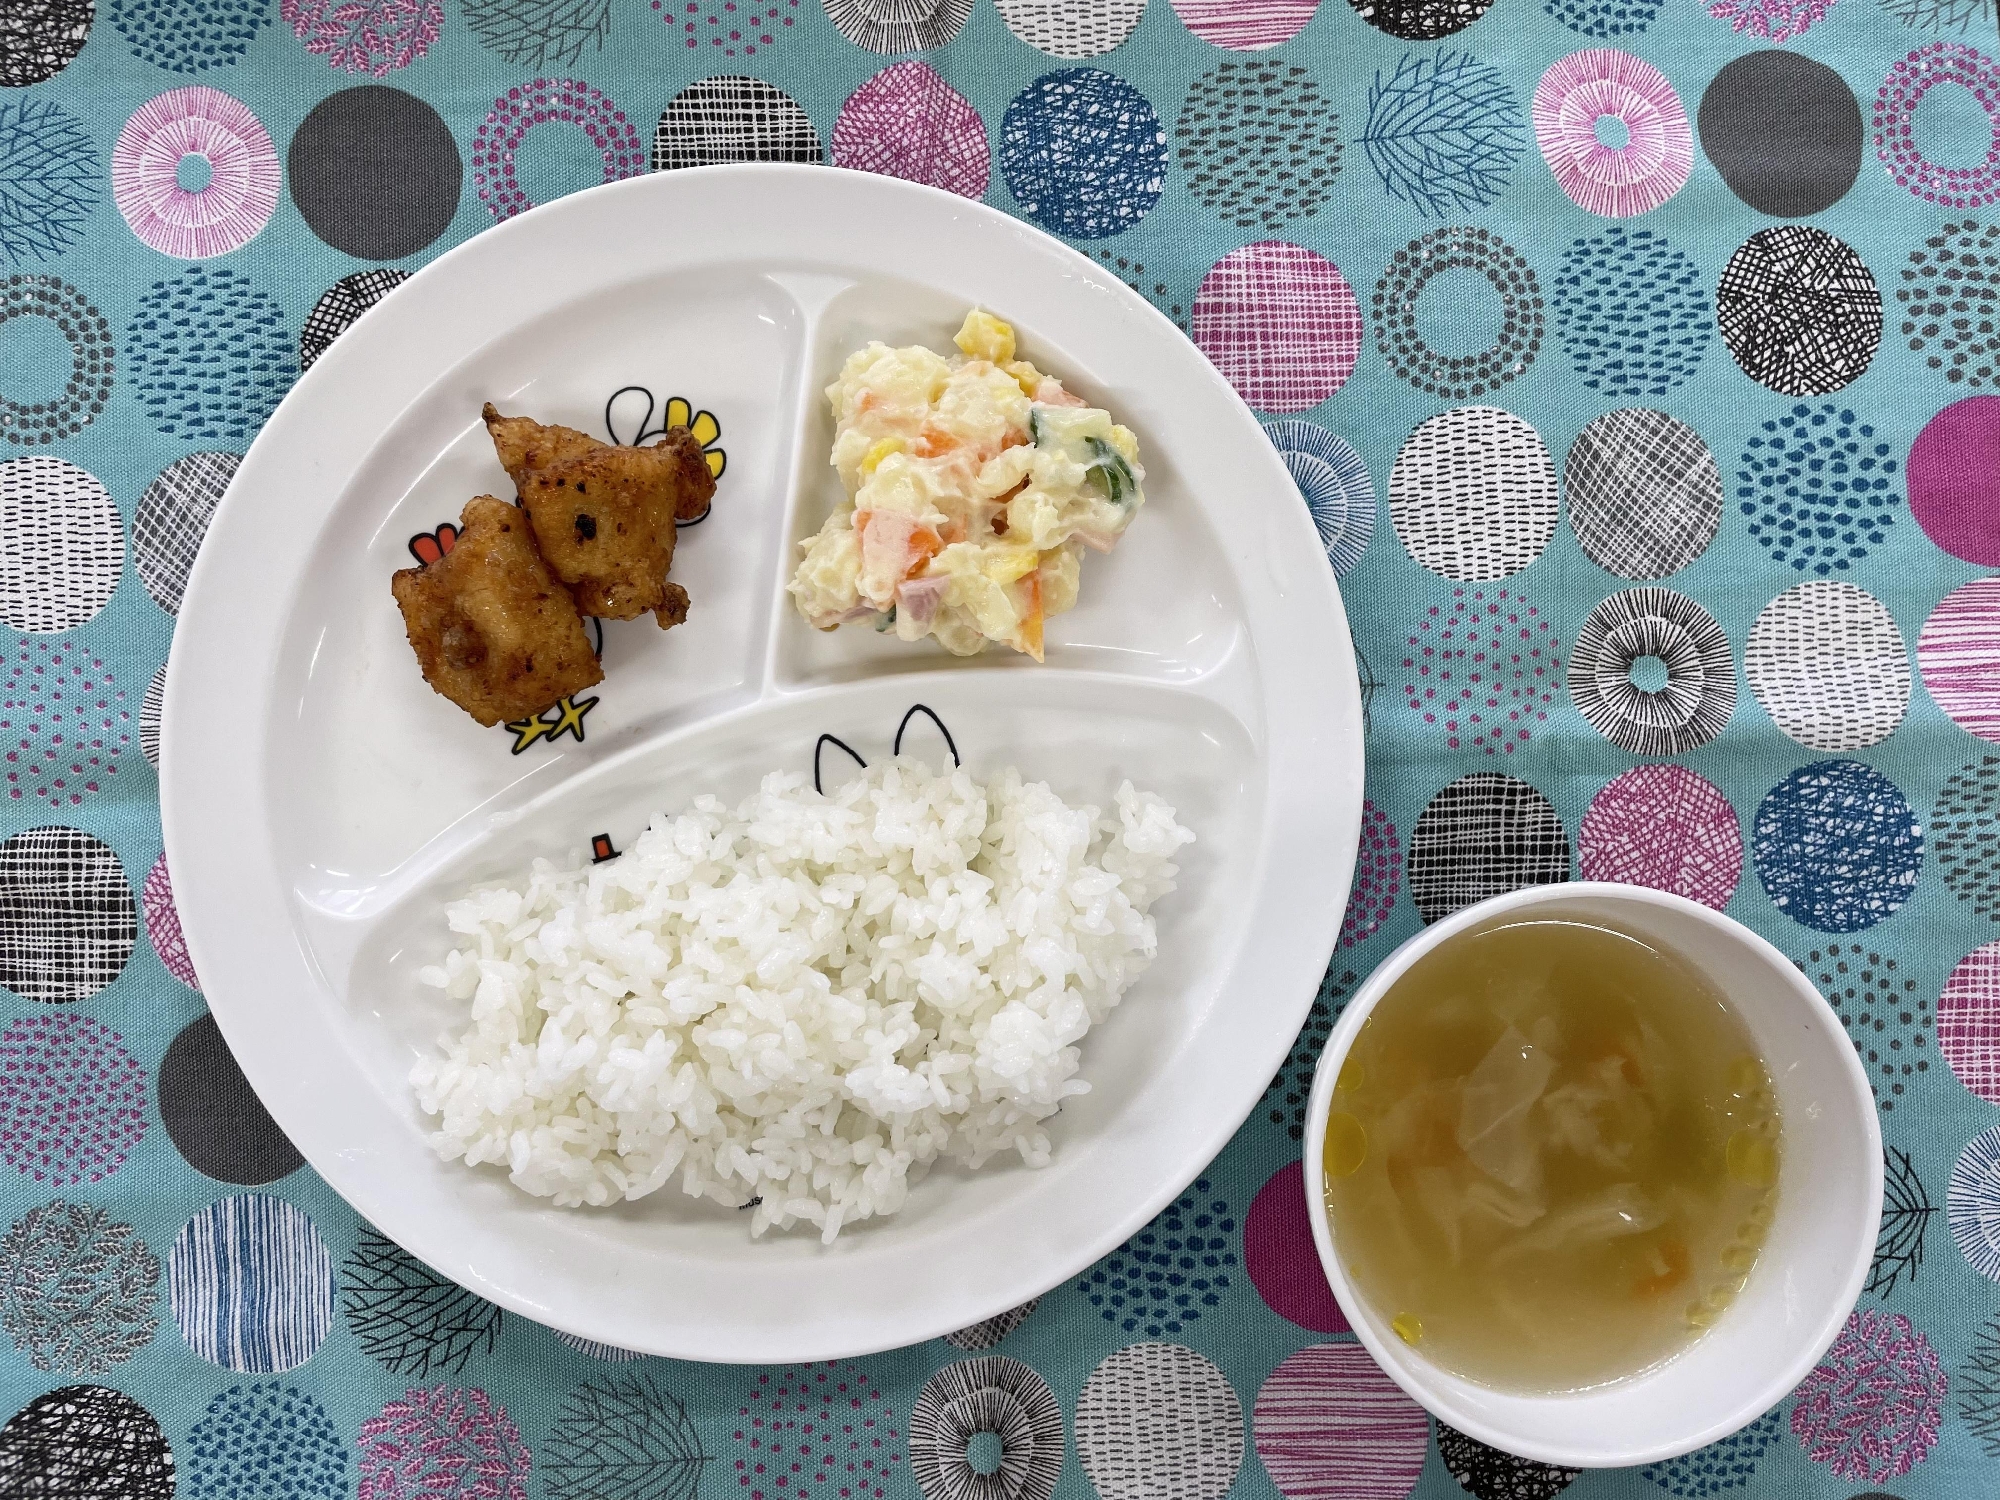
column 1552, row 1156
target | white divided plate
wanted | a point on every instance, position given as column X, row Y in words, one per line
column 321, row 802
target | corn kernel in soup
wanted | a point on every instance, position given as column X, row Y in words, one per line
column 1552, row 1155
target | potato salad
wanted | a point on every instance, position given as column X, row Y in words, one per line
column 974, row 484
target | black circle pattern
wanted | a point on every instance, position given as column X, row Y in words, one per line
column 1645, row 495
column 375, row 172
column 404, row 1314
column 895, row 26
column 1484, row 835
column 1799, row 310
column 1488, row 1474
column 1951, row 302
column 89, row 338
column 68, row 922
column 988, row 1332
column 1790, row 161
column 1457, row 377
column 1966, row 835
column 733, row 119
column 215, row 1119
column 1700, row 692
column 85, row 1441
column 1291, row 1086
column 1420, row 20
column 39, row 38
column 338, row 307
column 996, row 1395
column 1887, row 1017
column 1259, row 142
column 150, row 709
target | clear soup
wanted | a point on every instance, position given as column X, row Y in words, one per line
column 1552, row 1156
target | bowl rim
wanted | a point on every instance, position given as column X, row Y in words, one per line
column 1397, row 1363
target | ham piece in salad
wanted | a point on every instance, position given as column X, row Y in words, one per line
column 974, row 484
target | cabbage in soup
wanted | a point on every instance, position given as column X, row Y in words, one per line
column 1552, row 1156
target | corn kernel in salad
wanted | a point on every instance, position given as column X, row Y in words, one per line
column 974, row 483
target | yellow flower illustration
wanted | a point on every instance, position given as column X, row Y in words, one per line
column 707, row 431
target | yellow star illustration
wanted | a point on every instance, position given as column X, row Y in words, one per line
column 527, row 731
column 568, row 719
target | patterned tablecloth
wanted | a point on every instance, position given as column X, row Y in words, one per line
column 1638, row 362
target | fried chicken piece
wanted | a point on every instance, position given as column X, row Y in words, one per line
column 526, row 446
column 605, row 529
column 494, row 631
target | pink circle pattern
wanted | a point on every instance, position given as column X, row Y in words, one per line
column 816, row 1432
column 163, row 924
column 1613, row 182
column 227, row 211
column 1959, row 657
column 1378, row 877
column 1954, row 479
column 1771, row 20
column 1968, row 1021
column 443, row 1441
column 1487, row 672
column 376, row 37
column 1245, row 25
column 1281, row 324
column 908, row 122
column 1871, row 1409
column 72, row 1100
column 1329, row 1425
column 521, row 109
column 1279, row 1255
column 63, row 724
column 1665, row 827
column 1895, row 115
column 732, row 27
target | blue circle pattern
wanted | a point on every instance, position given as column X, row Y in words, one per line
column 1819, row 488
column 49, row 173
column 1838, row 847
column 252, row 1284
column 211, row 355
column 188, row 36
column 1727, row 1465
column 1605, row 18
column 1633, row 312
column 1972, row 1202
column 1334, row 483
column 266, row 1442
column 1444, row 131
column 1084, row 153
column 1170, row 1272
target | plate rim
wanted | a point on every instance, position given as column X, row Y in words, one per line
column 192, row 748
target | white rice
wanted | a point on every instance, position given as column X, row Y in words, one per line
column 801, row 1003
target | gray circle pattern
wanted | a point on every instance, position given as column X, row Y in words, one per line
column 214, row 1117
column 375, row 172
column 1645, row 494
column 173, row 518
column 1783, row 131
